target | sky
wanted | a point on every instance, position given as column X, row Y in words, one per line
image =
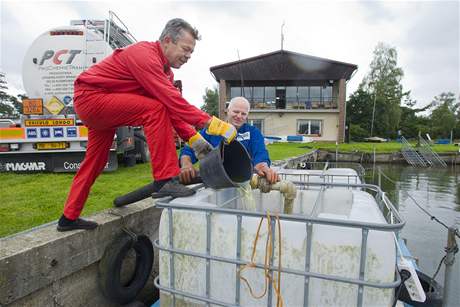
column 424, row 33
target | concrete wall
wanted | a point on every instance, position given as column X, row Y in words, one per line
column 43, row 267
column 286, row 124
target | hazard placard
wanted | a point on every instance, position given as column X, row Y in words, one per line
column 32, row 106
column 54, row 105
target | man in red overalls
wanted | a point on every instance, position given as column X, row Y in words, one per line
column 134, row 87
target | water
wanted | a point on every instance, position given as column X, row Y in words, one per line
column 245, row 191
column 435, row 189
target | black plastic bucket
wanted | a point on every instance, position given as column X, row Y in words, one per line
column 226, row 166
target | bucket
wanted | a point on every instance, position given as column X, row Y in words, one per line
column 227, row 165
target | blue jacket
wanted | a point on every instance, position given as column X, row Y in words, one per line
column 248, row 135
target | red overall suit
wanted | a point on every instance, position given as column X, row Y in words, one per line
column 131, row 87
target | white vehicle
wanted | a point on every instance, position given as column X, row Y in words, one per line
column 50, row 137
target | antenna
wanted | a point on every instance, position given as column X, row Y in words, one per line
column 282, row 35
column 241, row 73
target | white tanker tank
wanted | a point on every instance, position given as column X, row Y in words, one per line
column 57, row 57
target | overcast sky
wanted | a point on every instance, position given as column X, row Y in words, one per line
column 424, row 33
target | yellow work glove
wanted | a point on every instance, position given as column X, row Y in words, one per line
column 219, row 127
column 200, row 146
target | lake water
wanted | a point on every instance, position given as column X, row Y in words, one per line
column 435, row 189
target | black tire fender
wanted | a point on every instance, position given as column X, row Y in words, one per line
column 111, row 263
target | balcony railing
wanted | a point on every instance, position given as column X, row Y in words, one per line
column 313, row 104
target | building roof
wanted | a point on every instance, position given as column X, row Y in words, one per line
column 283, row 65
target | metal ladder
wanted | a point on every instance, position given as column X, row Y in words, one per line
column 412, row 156
column 113, row 30
column 428, row 153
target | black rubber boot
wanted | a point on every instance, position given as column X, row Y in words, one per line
column 174, row 189
column 64, row 224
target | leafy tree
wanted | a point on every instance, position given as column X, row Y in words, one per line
column 359, row 113
column 211, row 101
column 457, row 126
column 443, row 118
column 411, row 123
column 383, row 82
column 7, row 106
column 357, row 133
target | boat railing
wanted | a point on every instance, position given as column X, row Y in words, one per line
column 394, row 224
column 324, row 166
column 323, row 177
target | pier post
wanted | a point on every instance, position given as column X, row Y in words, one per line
column 451, row 295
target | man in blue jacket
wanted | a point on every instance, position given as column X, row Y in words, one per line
column 249, row 136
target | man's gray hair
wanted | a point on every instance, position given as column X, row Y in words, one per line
column 174, row 27
column 236, row 99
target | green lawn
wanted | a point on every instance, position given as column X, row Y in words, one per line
column 28, row 200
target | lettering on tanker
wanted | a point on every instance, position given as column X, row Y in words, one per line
column 59, row 68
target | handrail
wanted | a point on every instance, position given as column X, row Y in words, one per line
column 411, row 155
column 429, row 154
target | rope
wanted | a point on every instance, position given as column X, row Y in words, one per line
column 432, row 217
column 448, row 250
column 124, row 228
column 268, row 255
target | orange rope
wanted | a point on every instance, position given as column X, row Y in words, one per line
column 268, row 256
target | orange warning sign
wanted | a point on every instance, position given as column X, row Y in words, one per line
column 32, row 106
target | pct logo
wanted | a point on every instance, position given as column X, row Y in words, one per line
column 58, row 132
column 31, row 133
column 59, row 56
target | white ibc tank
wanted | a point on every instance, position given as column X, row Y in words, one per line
column 335, row 250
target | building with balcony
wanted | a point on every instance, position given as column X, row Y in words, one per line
column 290, row 93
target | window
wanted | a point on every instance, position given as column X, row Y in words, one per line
column 304, row 98
column 315, row 127
column 258, row 94
column 258, row 123
column 247, row 93
column 309, row 127
column 270, row 95
column 235, row 92
column 315, row 93
column 291, row 97
column 326, row 93
column 303, row 93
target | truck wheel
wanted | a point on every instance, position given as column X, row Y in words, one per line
column 142, row 152
column 142, row 149
column 110, row 268
column 129, row 159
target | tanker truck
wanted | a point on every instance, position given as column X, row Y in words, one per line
column 49, row 135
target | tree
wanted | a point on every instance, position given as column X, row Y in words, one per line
column 443, row 118
column 411, row 123
column 359, row 112
column 10, row 106
column 383, row 82
column 211, row 101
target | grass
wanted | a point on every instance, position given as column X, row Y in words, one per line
column 28, row 200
